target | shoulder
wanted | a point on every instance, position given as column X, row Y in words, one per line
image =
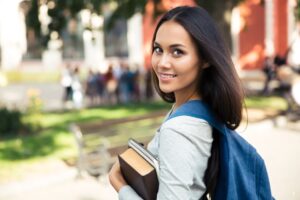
column 187, row 139
column 200, row 110
column 190, row 128
column 184, row 121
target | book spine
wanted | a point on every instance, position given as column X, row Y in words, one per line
column 151, row 183
column 134, row 179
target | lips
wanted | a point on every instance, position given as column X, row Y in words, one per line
column 166, row 76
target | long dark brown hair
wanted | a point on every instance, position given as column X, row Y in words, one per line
column 218, row 85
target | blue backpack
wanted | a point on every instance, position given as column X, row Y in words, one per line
column 242, row 172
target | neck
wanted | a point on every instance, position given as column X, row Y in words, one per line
column 181, row 99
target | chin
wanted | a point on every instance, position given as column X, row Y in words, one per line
column 166, row 90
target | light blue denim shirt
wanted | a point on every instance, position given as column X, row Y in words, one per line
column 182, row 146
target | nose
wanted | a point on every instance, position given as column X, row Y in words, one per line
column 164, row 61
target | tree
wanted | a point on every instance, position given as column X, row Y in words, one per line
column 59, row 11
column 297, row 10
column 220, row 10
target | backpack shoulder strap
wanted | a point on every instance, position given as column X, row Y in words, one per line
column 199, row 109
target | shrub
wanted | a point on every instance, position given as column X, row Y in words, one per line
column 10, row 121
column 35, row 104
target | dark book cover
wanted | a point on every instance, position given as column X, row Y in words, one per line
column 140, row 174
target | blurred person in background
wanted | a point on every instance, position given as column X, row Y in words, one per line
column 117, row 70
column 91, row 88
column 293, row 55
column 77, row 88
column 270, row 73
column 100, row 86
column 288, row 75
column 123, row 84
column 66, row 82
column 111, row 84
column 136, row 84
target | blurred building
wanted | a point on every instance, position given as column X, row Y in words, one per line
column 258, row 28
column 12, row 33
column 262, row 28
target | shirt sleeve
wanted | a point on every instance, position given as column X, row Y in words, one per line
column 127, row 193
column 183, row 152
column 184, row 149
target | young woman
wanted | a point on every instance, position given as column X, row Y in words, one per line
column 191, row 64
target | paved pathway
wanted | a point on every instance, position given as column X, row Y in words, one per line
column 17, row 94
column 86, row 188
column 280, row 148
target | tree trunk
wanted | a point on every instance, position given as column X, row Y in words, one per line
column 221, row 12
column 222, row 16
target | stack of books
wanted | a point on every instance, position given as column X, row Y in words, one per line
column 140, row 169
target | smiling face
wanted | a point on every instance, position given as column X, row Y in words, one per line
column 175, row 60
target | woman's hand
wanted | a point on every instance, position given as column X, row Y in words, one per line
column 115, row 177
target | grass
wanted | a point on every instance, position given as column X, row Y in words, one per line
column 55, row 141
column 272, row 102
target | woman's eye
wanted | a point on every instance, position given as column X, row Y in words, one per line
column 177, row 52
column 157, row 50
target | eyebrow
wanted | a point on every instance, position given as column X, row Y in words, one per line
column 171, row 46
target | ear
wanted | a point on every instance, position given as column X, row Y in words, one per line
column 205, row 65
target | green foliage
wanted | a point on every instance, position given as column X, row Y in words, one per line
column 30, row 147
column 297, row 11
column 13, row 125
column 10, row 122
column 35, row 103
column 210, row 5
column 54, row 141
column 125, row 9
column 58, row 18
column 32, row 19
column 62, row 10
column 272, row 102
column 61, row 119
column 53, row 136
column 75, row 6
column 65, row 9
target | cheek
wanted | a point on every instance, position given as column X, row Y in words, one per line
column 191, row 66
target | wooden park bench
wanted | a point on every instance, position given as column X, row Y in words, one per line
column 95, row 153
